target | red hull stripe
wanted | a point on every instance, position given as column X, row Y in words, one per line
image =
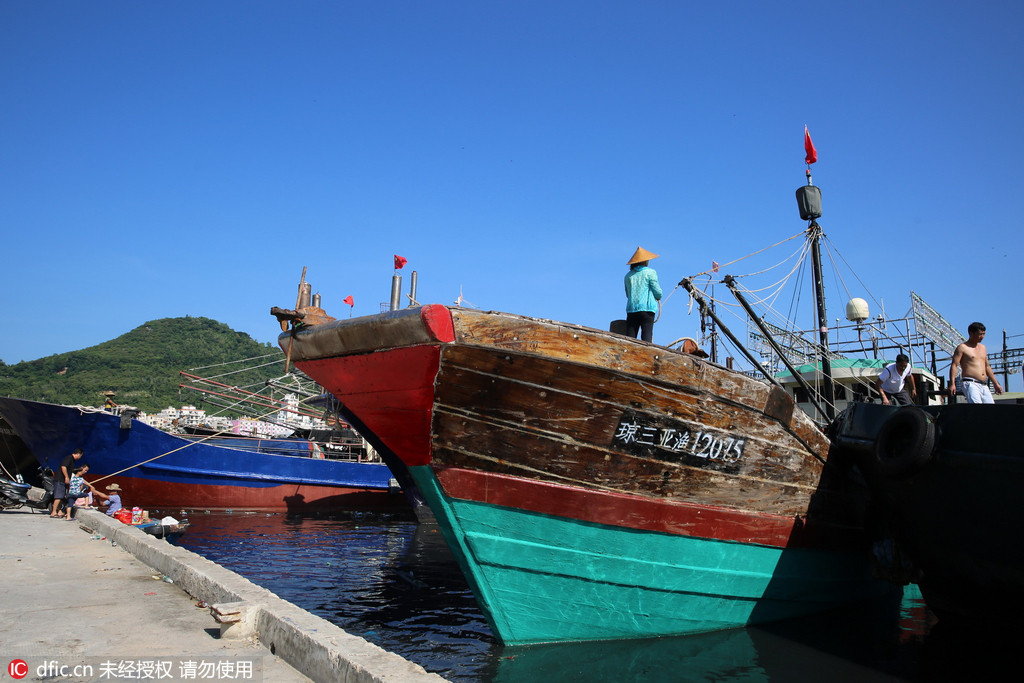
column 367, row 383
column 617, row 509
column 149, row 494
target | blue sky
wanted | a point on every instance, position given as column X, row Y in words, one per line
column 164, row 159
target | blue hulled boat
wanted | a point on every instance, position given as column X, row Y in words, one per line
column 165, row 470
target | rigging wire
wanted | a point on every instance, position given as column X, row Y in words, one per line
column 835, row 270
column 767, row 299
column 220, row 432
column 709, row 273
column 729, row 263
column 779, row 285
column 235, row 372
column 801, row 253
column 241, row 360
column 833, row 247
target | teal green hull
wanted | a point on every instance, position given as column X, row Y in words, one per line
column 541, row 578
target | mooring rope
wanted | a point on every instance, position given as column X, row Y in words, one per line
column 180, row 448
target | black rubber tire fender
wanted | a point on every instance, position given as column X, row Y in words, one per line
column 905, row 442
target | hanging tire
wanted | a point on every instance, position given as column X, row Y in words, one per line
column 905, row 442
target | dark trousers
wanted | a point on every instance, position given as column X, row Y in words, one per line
column 901, row 398
column 641, row 321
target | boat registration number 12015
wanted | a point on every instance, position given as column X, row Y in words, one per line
column 635, row 433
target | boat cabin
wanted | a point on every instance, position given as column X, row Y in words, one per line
column 855, row 383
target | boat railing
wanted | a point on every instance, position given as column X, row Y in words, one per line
column 340, row 448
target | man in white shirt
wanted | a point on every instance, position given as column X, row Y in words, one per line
column 892, row 380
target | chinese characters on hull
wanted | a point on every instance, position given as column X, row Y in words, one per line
column 673, row 441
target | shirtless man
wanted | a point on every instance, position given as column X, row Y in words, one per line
column 972, row 358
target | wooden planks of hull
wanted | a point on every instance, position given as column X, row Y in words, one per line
column 532, row 417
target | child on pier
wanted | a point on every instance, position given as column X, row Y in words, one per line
column 77, row 490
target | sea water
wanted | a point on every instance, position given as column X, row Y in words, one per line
column 396, row 584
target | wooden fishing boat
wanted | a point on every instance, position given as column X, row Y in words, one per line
column 594, row 486
column 947, row 481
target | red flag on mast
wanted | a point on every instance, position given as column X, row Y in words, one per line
column 812, row 154
column 400, row 262
column 349, row 300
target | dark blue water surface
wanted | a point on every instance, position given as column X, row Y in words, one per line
column 397, row 585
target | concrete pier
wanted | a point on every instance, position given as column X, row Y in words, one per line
column 99, row 591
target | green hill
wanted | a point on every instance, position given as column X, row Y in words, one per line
column 142, row 366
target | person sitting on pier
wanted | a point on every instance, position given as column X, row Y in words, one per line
column 892, row 380
column 113, row 499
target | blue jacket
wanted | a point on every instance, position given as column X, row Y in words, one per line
column 115, row 504
column 643, row 292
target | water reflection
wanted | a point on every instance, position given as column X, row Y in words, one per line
column 389, row 581
column 397, row 585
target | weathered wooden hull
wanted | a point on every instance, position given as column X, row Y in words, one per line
column 594, row 486
column 956, row 515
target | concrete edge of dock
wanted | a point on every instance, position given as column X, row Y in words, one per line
column 310, row 644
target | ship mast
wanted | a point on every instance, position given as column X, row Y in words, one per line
column 819, row 295
column 809, row 200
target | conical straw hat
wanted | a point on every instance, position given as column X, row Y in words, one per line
column 639, row 255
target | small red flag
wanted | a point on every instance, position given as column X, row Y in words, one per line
column 714, row 266
column 400, row 261
column 812, row 154
column 349, row 300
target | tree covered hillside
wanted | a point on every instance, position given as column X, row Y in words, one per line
column 141, row 367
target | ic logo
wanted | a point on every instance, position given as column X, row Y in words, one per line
column 17, row 668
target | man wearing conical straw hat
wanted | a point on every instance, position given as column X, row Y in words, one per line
column 643, row 292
